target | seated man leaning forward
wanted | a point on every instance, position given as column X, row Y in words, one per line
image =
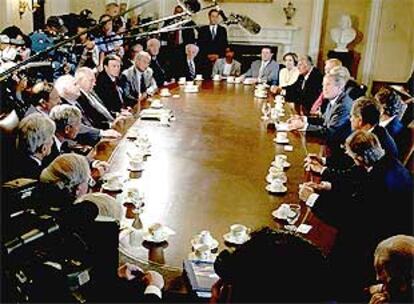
column 138, row 81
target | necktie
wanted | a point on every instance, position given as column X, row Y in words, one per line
column 177, row 37
column 213, row 32
column 261, row 70
column 303, row 83
column 327, row 113
column 142, row 87
column 192, row 69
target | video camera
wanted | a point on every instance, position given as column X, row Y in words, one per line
column 50, row 256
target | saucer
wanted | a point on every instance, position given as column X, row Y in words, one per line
column 156, row 106
column 196, row 241
column 269, row 179
column 107, row 187
column 228, row 237
column 136, row 169
column 150, row 238
column 248, row 81
column 285, row 164
column 166, row 233
column 282, row 126
column 193, row 257
column 281, row 141
column 165, row 95
column 271, row 190
column 277, row 214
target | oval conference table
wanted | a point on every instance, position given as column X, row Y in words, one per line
column 206, row 172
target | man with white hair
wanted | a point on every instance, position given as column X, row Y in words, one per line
column 68, row 123
column 92, row 105
column 138, row 81
column 69, row 92
column 157, row 65
column 68, row 172
column 393, row 262
column 190, row 67
column 34, row 142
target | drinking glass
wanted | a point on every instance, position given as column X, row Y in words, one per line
column 292, row 216
column 266, row 108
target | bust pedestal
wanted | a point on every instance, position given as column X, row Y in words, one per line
column 349, row 59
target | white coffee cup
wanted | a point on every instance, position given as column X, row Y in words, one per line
column 276, row 185
column 202, row 252
column 182, row 80
column 164, row 92
column 165, row 119
column 189, row 83
column 231, row 79
column 282, row 136
column 236, row 80
column 279, row 176
column 238, row 231
column 133, row 194
column 279, row 106
column 136, row 164
column 156, row 103
column 280, row 160
column 114, row 181
column 157, row 232
column 217, row 77
column 199, row 77
column 279, row 99
column 205, row 237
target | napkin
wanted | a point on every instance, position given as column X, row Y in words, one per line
column 304, row 228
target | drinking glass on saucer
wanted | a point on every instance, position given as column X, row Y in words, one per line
column 292, row 215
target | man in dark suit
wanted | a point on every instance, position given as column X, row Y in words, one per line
column 93, row 107
column 158, row 65
column 189, row 64
column 34, row 142
column 306, row 89
column 69, row 92
column 107, row 85
column 382, row 194
column 212, row 40
column 174, row 42
column 364, row 116
column 68, row 123
column 178, row 39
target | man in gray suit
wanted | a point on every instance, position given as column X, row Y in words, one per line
column 227, row 66
column 137, row 81
column 264, row 70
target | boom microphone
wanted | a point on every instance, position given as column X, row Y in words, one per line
column 248, row 24
column 192, row 6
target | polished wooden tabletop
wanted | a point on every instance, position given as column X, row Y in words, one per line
column 207, row 170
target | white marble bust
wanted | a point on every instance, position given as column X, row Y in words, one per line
column 343, row 34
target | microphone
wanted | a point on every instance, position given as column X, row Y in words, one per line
column 248, row 24
column 193, row 6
